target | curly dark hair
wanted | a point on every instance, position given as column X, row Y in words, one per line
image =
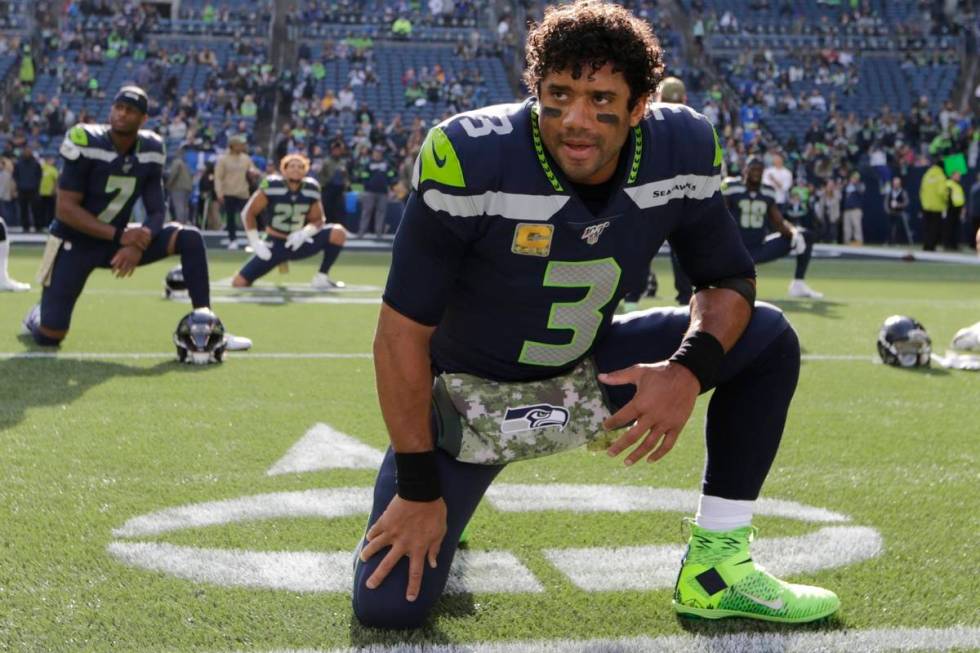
column 594, row 33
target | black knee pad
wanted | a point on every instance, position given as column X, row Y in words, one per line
column 189, row 238
column 3, row 230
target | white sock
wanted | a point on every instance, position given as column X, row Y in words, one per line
column 4, row 251
column 717, row 514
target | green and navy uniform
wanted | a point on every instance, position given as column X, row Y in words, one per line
column 288, row 211
column 521, row 278
column 750, row 208
column 110, row 183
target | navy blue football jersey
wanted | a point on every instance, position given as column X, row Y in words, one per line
column 750, row 209
column 520, row 278
column 288, row 209
column 109, row 181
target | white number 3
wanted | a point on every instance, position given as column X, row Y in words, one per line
column 482, row 125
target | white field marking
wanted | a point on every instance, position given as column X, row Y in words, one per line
column 327, row 503
column 323, row 447
column 238, row 356
column 632, row 498
column 283, row 299
column 837, row 641
column 300, row 355
column 310, row 571
column 292, row 288
column 603, row 569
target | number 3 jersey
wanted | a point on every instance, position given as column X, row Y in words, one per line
column 750, row 208
column 111, row 182
column 519, row 277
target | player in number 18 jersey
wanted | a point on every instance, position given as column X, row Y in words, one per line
column 767, row 235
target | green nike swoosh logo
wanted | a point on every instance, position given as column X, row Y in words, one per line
column 440, row 162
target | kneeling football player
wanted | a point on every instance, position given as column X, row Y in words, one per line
column 106, row 168
column 296, row 226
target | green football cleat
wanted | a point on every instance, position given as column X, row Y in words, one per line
column 718, row 579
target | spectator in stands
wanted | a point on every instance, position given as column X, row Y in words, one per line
column 378, row 176
column 878, row 161
column 896, row 207
column 973, row 213
column 8, row 191
column 49, row 179
column 402, row 28
column 231, row 174
column 334, row 181
column 27, row 73
column 179, row 184
column 933, row 197
column 954, row 209
column 248, row 108
column 780, row 178
column 853, row 211
column 27, row 178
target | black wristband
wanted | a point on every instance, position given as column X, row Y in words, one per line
column 417, row 477
column 117, row 237
column 701, row 353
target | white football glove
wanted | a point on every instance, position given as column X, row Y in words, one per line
column 798, row 243
column 299, row 238
column 258, row 245
column 968, row 338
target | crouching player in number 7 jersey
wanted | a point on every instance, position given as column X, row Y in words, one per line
column 106, row 168
column 296, row 230
column 497, row 340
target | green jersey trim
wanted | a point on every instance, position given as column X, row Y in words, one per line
column 439, row 160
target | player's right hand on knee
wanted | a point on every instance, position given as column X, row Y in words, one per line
column 259, row 246
column 262, row 250
column 136, row 237
column 411, row 528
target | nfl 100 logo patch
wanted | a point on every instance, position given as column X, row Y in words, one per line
column 593, row 231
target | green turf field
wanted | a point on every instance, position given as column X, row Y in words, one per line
column 115, row 430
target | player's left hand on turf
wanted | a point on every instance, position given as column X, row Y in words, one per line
column 125, row 260
column 665, row 396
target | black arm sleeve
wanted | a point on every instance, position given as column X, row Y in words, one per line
column 154, row 203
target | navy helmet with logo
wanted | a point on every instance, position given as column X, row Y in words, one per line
column 903, row 342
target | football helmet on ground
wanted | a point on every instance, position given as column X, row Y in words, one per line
column 174, row 285
column 200, row 338
column 903, row 342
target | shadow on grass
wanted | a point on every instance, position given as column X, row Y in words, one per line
column 718, row 627
column 453, row 607
column 29, row 382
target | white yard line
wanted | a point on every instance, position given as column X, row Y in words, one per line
column 842, row 641
column 244, row 356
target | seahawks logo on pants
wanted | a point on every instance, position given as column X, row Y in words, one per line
column 530, row 418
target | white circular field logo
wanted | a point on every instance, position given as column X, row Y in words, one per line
column 835, row 543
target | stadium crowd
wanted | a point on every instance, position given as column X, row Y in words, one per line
column 205, row 92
